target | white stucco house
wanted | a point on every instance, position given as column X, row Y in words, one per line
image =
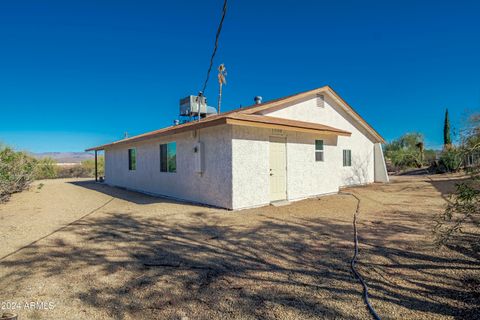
column 304, row 145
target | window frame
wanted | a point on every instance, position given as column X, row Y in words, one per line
column 347, row 157
column 165, row 158
column 132, row 159
column 320, row 151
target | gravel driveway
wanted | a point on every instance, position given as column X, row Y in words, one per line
column 74, row 249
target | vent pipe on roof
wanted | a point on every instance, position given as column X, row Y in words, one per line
column 258, row 99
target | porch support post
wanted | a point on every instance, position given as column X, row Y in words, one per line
column 96, row 167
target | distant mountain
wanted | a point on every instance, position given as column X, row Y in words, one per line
column 65, row 157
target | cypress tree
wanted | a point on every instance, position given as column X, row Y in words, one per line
column 447, row 140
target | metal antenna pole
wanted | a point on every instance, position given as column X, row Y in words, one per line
column 220, row 98
column 200, row 94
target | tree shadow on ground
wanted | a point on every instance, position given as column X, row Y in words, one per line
column 125, row 194
column 128, row 265
column 447, row 187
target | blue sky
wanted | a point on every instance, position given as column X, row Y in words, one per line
column 75, row 74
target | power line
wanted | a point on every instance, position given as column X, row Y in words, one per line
column 217, row 37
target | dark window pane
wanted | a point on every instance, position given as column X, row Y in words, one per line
column 132, row 159
column 163, row 158
column 318, row 145
column 318, row 156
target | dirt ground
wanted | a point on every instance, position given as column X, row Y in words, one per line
column 80, row 250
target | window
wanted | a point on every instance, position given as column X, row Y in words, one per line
column 347, row 158
column 168, row 157
column 132, row 159
column 318, row 150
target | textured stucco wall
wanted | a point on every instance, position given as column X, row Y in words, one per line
column 250, row 163
column 360, row 142
column 305, row 176
column 212, row 187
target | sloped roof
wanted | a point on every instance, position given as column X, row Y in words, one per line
column 250, row 116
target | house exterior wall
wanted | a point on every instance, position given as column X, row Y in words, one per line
column 236, row 160
column 305, row 176
column 381, row 174
column 212, row 187
column 360, row 142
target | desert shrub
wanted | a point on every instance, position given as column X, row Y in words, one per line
column 17, row 171
column 46, row 168
column 451, row 160
column 89, row 166
column 402, row 159
column 463, row 208
column 406, row 152
column 429, row 156
column 86, row 169
column 77, row 171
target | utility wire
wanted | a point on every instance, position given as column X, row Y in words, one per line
column 217, row 37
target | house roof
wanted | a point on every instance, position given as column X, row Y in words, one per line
column 251, row 116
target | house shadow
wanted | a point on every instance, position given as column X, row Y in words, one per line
column 130, row 195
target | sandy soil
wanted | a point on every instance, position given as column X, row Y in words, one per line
column 95, row 252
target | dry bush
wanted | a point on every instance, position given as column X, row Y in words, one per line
column 77, row 171
column 89, row 165
column 46, row 168
column 17, row 171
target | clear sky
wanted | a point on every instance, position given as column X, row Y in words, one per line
column 75, row 74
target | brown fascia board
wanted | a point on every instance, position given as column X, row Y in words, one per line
column 234, row 119
column 219, row 120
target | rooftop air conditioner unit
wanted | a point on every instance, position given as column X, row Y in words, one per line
column 189, row 106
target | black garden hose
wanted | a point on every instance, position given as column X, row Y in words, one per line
column 354, row 259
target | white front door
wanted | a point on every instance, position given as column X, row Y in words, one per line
column 278, row 169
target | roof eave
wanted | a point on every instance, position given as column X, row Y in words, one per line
column 260, row 124
column 163, row 132
column 282, row 103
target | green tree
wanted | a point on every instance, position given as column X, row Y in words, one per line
column 447, row 140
